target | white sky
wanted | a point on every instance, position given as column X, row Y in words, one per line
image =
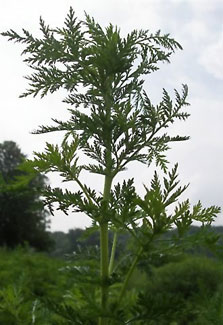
column 197, row 25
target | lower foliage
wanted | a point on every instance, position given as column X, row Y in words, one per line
column 187, row 291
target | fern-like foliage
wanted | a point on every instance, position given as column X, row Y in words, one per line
column 111, row 70
column 112, row 123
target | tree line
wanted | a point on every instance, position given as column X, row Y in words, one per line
column 23, row 217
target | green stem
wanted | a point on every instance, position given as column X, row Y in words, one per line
column 129, row 274
column 104, row 254
column 104, row 264
column 112, row 258
column 106, row 195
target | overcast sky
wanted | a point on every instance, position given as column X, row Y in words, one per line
column 197, row 25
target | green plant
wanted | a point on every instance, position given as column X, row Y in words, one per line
column 27, row 279
column 113, row 123
column 210, row 310
column 185, row 292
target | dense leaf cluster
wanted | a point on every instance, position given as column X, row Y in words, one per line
column 110, row 71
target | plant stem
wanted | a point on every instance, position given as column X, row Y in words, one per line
column 106, row 195
column 112, row 258
column 104, row 268
column 104, row 253
column 129, row 274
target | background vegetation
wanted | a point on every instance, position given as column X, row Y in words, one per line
column 183, row 289
column 23, row 217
